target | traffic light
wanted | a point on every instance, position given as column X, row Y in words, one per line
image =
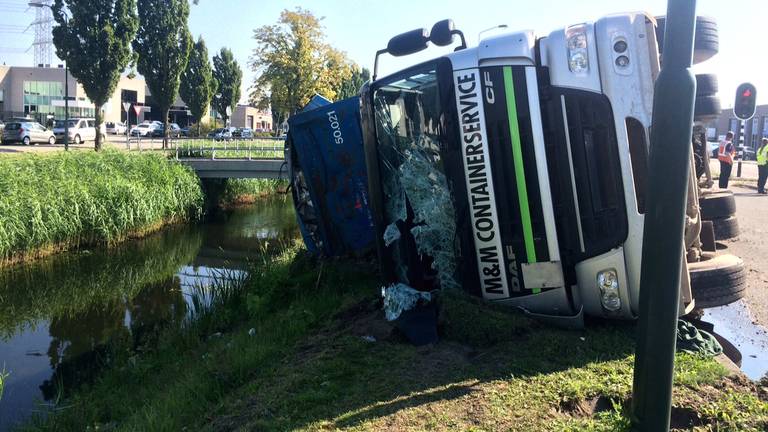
column 746, row 97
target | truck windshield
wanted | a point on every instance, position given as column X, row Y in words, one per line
column 419, row 210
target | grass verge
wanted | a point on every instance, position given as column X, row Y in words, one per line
column 305, row 347
column 248, row 191
column 64, row 200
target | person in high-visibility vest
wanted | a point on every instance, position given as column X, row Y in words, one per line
column 762, row 166
column 725, row 155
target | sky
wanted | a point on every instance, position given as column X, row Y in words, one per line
column 360, row 28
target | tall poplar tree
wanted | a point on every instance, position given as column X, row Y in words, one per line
column 96, row 44
column 197, row 83
column 163, row 43
column 229, row 76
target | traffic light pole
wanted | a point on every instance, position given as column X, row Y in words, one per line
column 668, row 168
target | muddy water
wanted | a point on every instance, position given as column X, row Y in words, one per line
column 62, row 318
column 735, row 323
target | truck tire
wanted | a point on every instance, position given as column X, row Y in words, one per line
column 718, row 205
column 706, row 85
column 717, row 281
column 707, row 107
column 706, row 42
column 726, row 228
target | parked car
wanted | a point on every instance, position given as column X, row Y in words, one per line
column 27, row 133
column 80, row 130
column 221, row 134
column 745, row 153
column 243, row 133
column 184, row 131
column 145, row 129
column 174, row 131
column 116, row 128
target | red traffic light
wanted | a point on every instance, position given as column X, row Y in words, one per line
column 746, row 99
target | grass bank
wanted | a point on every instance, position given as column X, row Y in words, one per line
column 304, row 347
column 248, row 191
column 64, row 200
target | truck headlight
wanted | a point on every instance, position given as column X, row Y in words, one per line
column 608, row 282
column 578, row 56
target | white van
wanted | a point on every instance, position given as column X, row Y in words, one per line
column 80, row 130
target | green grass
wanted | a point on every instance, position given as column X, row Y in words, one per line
column 256, row 149
column 65, row 200
column 3, row 376
column 249, row 190
column 295, row 354
column 193, row 370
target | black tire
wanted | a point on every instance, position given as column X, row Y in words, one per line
column 706, row 85
column 718, row 281
column 77, row 139
column 706, row 42
column 726, row 228
column 717, row 205
column 51, row 140
column 26, row 141
column 707, row 107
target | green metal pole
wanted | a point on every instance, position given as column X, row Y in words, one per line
column 668, row 170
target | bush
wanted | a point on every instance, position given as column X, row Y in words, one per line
column 65, row 200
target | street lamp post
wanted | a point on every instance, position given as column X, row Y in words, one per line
column 66, row 77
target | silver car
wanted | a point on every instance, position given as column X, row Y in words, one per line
column 27, row 133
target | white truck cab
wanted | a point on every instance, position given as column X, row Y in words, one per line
column 516, row 169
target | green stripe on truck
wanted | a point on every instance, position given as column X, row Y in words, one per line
column 517, row 152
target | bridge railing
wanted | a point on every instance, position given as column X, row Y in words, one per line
column 236, row 149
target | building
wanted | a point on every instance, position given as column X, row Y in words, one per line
column 754, row 129
column 250, row 117
column 38, row 93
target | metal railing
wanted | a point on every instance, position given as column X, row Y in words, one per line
column 235, row 149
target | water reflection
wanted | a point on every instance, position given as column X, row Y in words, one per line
column 64, row 318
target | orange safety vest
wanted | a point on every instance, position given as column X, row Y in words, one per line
column 724, row 156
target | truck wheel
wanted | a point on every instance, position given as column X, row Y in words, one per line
column 707, row 108
column 717, row 281
column 726, row 228
column 706, row 43
column 706, row 85
column 717, row 205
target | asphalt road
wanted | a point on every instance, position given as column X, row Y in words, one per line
column 752, row 247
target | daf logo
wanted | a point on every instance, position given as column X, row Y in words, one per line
column 490, row 96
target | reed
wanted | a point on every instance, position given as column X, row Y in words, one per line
column 64, row 200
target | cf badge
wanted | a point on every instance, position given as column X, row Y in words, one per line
column 490, row 97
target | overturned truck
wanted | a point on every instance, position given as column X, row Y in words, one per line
column 516, row 170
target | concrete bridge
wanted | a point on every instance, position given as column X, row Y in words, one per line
column 238, row 168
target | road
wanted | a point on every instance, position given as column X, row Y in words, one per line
column 752, row 247
column 748, row 169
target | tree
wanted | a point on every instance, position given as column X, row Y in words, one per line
column 163, row 43
column 96, row 44
column 351, row 87
column 292, row 63
column 197, row 83
column 229, row 77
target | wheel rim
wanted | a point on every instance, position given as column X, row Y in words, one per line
column 26, row 141
column 51, row 140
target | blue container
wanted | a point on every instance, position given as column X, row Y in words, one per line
column 329, row 179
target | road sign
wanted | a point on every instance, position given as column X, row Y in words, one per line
column 126, row 106
column 137, row 109
column 746, row 98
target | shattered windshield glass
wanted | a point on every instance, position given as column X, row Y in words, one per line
column 419, row 209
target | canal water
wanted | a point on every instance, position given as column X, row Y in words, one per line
column 63, row 317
